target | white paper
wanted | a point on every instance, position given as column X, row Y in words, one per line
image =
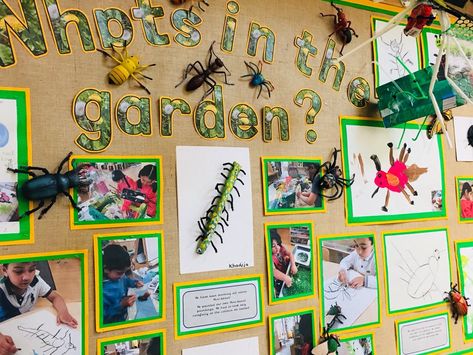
column 37, row 333
column 466, row 255
column 213, row 306
column 248, row 346
column 424, row 336
column 418, row 269
column 198, row 171
column 463, row 149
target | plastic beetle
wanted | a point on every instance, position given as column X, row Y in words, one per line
column 48, row 186
column 458, row 303
column 257, row 78
column 342, row 26
column 420, row 16
column 395, row 179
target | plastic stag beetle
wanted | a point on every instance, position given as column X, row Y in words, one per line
column 215, row 214
column 332, row 177
column 342, row 26
column 396, row 178
column 458, row 303
column 257, row 78
column 48, row 186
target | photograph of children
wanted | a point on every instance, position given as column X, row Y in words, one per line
column 290, row 259
column 291, row 185
column 122, row 192
column 465, row 199
column 395, row 181
column 42, row 302
column 358, row 345
column 148, row 343
column 348, row 277
column 129, row 274
column 292, row 333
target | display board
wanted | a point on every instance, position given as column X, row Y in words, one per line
column 272, row 111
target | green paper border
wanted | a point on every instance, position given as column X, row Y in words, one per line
column 415, row 319
column 81, row 255
column 425, row 44
column 177, row 306
column 386, row 270
column 457, row 193
column 99, row 279
column 382, row 219
column 76, row 224
column 459, row 245
column 21, row 96
column 267, row 237
column 280, row 211
column 321, row 279
column 355, row 337
column 273, row 318
column 101, row 344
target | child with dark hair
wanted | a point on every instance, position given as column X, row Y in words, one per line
column 361, row 260
column 147, row 185
column 124, row 182
column 116, row 262
column 282, row 258
column 466, row 201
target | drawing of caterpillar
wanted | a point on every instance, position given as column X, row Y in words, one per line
column 52, row 343
column 214, row 215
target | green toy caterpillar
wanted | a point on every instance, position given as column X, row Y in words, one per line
column 215, row 214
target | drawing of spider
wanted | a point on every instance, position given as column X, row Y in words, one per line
column 396, row 50
column 53, row 344
column 338, row 290
column 420, row 278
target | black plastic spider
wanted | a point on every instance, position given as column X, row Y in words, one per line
column 332, row 177
column 257, row 78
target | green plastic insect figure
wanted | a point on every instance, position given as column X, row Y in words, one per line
column 214, row 215
column 332, row 341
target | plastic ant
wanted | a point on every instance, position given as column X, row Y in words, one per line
column 257, row 78
column 203, row 74
column 333, row 177
column 48, row 186
column 342, row 26
column 395, row 179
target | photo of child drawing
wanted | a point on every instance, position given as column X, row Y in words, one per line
column 349, row 281
column 292, row 333
column 142, row 345
column 129, row 275
column 290, row 261
column 120, row 190
column 465, row 199
column 291, row 185
column 40, row 305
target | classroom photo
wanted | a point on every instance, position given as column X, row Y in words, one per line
column 129, row 270
column 292, row 333
column 348, row 278
column 291, row 185
column 126, row 190
column 465, row 198
column 149, row 343
column 42, row 302
column 289, row 249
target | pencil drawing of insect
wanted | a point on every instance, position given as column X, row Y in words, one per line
column 338, row 290
column 53, row 344
column 396, row 50
column 215, row 214
column 420, row 277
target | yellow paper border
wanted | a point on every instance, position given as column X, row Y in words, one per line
column 131, row 335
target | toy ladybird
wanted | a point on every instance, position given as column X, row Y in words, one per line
column 458, row 303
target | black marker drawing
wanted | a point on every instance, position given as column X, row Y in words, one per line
column 337, row 290
column 58, row 343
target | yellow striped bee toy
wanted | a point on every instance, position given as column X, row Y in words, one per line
column 128, row 66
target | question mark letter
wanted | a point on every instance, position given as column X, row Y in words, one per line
column 315, row 106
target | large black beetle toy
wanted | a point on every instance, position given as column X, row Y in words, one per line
column 48, row 186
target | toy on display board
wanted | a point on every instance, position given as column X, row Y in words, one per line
column 330, row 341
column 128, row 67
column 204, row 74
column 199, row 4
column 332, row 178
column 257, row 78
column 215, row 214
column 48, row 186
column 342, row 26
column 458, row 303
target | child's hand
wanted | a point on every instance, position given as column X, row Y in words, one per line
column 7, row 346
column 342, row 276
column 357, row 282
column 139, row 284
column 128, row 301
column 288, row 281
column 293, row 269
column 66, row 318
